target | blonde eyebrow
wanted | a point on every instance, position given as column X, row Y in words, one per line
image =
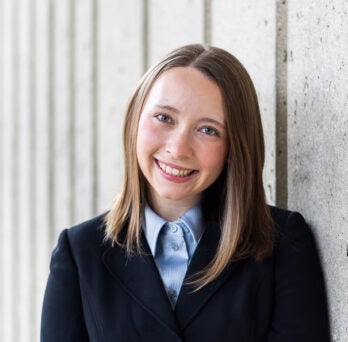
column 167, row 107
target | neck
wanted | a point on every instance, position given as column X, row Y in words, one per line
column 171, row 210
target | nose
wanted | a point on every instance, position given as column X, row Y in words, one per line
column 179, row 144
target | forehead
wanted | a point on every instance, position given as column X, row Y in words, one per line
column 186, row 87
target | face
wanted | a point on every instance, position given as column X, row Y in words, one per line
column 182, row 139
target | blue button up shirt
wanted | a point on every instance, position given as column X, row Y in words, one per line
column 192, row 229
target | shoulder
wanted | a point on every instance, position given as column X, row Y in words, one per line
column 300, row 309
column 293, row 236
column 288, row 224
column 84, row 239
column 87, row 230
column 283, row 217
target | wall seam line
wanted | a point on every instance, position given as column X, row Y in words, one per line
column 281, row 104
column 72, row 111
column 33, row 164
column 145, row 35
column 94, row 118
column 207, row 22
column 15, row 168
column 51, row 117
column 2, row 235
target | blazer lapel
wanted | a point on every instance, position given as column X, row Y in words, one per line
column 189, row 303
column 139, row 276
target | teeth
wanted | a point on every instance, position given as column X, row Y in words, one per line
column 174, row 172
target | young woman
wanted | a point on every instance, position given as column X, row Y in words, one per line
column 190, row 250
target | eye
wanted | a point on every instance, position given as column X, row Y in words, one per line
column 163, row 118
column 210, row 131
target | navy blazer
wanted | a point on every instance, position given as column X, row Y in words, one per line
column 96, row 293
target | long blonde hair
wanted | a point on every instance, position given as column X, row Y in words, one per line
column 239, row 204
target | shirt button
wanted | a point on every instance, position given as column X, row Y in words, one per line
column 175, row 246
column 173, row 228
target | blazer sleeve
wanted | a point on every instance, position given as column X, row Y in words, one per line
column 300, row 306
column 62, row 315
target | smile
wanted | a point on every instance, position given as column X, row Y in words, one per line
column 174, row 171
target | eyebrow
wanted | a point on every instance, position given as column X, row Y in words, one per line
column 167, row 107
column 214, row 122
column 175, row 110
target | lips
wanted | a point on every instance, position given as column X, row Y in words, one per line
column 174, row 171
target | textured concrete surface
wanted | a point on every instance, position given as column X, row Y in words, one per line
column 317, row 138
column 247, row 30
column 120, row 52
column 182, row 21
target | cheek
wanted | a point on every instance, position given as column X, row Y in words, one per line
column 215, row 156
column 148, row 138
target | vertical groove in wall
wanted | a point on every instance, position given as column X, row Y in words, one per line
column 72, row 116
column 281, row 103
column 32, row 167
column 51, row 135
column 95, row 138
column 145, row 34
column 2, row 235
column 15, row 167
column 207, row 8
column 1, row 121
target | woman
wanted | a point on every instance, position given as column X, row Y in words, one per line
column 190, row 250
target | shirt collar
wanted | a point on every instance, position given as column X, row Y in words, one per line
column 153, row 223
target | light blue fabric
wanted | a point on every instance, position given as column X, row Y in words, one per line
column 172, row 245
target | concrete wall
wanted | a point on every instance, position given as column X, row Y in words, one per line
column 317, row 132
column 67, row 69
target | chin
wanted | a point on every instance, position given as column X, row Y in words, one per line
column 172, row 197
column 179, row 197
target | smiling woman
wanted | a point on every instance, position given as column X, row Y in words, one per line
column 181, row 142
column 190, row 251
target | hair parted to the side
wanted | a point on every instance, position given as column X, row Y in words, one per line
column 236, row 201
